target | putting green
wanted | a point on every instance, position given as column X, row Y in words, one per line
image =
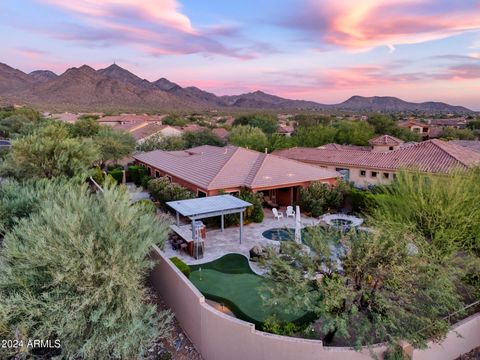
column 229, row 280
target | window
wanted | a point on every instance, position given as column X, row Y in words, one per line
column 394, row 176
column 149, row 171
column 386, row 175
column 157, row 173
column 390, row 148
column 201, row 193
column 363, row 173
column 373, row 174
column 169, row 178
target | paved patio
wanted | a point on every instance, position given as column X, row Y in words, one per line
column 220, row 243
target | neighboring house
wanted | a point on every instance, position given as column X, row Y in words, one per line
column 285, row 130
column 146, row 130
column 130, row 118
column 416, row 127
column 457, row 123
column 378, row 166
column 210, row 170
column 469, row 144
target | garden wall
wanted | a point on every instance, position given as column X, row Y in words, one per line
column 218, row 336
column 463, row 337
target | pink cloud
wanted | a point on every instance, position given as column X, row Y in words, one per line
column 156, row 27
column 370, row 23
column 165, row 12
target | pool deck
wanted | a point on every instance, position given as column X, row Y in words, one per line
column 219, row 243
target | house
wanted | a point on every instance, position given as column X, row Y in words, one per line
column 378, row 165
column 146, row 130
column 130, row 118
column 469, row 144
column 416, row 127
column 285, row 129
column 457, row 123
column 211, row 170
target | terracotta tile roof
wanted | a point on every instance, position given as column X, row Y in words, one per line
column 385, row 140
column 409, row 123
column 212, row 168
column 333, row 146
column 469, row 144
column 131, row 118
column 429, row 156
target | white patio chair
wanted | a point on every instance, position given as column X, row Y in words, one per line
column 290, row 211
column 277, row 214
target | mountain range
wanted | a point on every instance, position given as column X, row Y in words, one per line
column 115, row 88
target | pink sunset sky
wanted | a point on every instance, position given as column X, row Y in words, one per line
column 321, row 50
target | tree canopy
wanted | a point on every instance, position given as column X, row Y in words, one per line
column 113, row 144
column 266, row 122
column 202, row 137
column 249, row 137
column 159, row 142
column 49, row 152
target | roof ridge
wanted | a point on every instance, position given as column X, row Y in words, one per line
column 258, row 169
column 225, row 164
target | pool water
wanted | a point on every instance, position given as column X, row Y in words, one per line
column 341, row 222
column 282, row 234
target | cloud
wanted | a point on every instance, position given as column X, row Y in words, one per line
column 370, row 23
column 30, row 52
column 157, row 27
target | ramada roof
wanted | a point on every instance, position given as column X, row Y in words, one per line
column 429, row 156
column 385, row 140
column 214, row 168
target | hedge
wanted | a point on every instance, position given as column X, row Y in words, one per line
column 136, row 174
column 117, row 174
column 184, row 268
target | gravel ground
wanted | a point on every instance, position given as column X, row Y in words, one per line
column 178, row 345
column 472, row 355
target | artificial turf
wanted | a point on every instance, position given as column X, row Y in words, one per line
column 229, row 280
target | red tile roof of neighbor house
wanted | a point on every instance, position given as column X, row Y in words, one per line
column 429, row 156
column 132, row 118
column 213, row 168
column 469, row 144
column 385, row 140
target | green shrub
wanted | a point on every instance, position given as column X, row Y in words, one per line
column 253, row 213
column 184, row 268
column 148, row 205
column 117, row 174
column 162, row 190
column 98, row 176
column 360, row 200
column 114, row 167
column 81, row 278
column 144, row 180
column 275, row 326
column 318, row 197
column 136, row 173
column 394, row 353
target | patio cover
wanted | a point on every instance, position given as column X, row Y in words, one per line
column 210, row 206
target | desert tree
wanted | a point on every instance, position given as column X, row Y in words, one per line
column 367, row 287
column 49, row 152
